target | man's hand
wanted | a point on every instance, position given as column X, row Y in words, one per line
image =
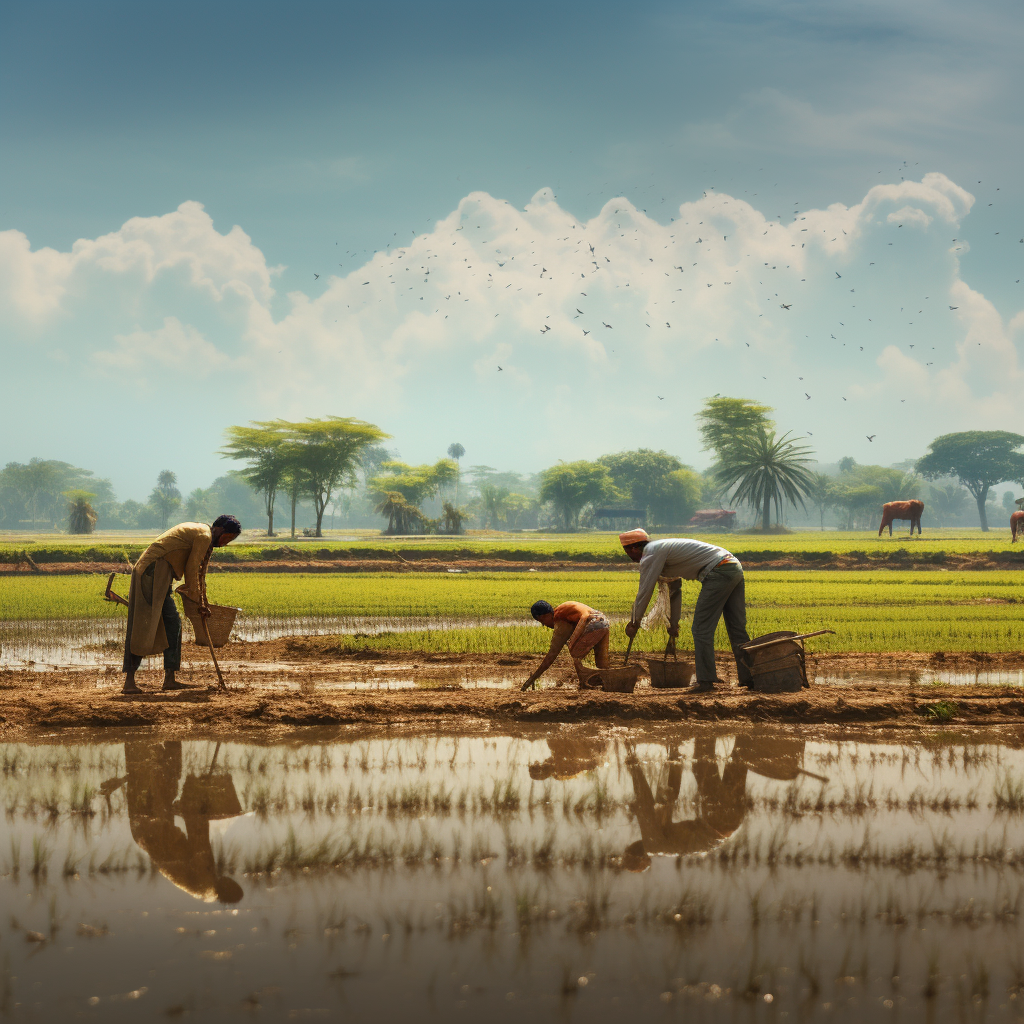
column 204, row 611
column 631, row 629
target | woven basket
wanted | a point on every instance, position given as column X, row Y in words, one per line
column 221, row 619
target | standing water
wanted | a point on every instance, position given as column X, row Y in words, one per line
column 573, row 874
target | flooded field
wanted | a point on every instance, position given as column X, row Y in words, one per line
column 562, row 873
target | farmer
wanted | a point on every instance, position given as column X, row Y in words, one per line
column 153, row 622
column 721, row 594
column 577, row 626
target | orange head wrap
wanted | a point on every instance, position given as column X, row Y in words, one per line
column 633, row 537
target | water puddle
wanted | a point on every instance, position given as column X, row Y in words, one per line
column 566, row 875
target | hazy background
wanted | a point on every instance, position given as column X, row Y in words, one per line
column 173, row 177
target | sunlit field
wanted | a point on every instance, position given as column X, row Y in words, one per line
column 870, row 611
column 932, row 544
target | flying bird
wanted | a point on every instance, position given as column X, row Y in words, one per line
column 580, row 311
column 954, row 307
column 609, row 326
column 783, row 305
column 871, row 437
column 807, row 396
column 585, row 333
column 499, row 369
column 661, row 398
column 316, row 277
column 838, row 274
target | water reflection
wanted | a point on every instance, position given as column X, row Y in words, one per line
column 183, row 856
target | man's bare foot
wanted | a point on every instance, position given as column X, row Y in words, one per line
column 130, row 687
column 173, row 684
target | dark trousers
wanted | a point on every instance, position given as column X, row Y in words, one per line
column 172, row 627
column 722, row 594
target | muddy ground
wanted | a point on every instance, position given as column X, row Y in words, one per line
column 275, row 687
column 397, row 564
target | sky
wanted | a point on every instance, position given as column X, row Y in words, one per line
column 545, row 231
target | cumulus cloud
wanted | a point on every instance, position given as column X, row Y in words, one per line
column 589, row 320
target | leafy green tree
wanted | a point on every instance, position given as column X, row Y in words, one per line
column 724, row 422
column 197, row 505
column 570, row 486
column 979, row 459
column 42, row 483
column 494, row 501
column 326, row 454
column 263, row 446
column 517, row 508
column 165, row 498
column 860, row 502
column 763, row 469
column 452, row 518
column 403, row 516
column 822, row 493
column 414, row 483
column 644, row 475
column 81, row 515
column 847, row 464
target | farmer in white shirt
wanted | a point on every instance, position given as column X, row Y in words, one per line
column 721, row 594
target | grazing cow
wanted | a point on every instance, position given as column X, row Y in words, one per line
column 911, row 510
column 1016, row 525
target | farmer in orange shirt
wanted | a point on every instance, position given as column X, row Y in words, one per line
column 582, row 628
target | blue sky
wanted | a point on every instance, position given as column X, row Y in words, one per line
column 301, row 137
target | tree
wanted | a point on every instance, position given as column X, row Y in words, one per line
column 847, row 464
column 946, row 502
column 165, row 498
column 455, row 452
column 325, row 454
column 402, row 516
column 81, row 516
column 764, row 469
column 822, row 493
column 263, row 446
column 494, row 501
column 646, row 475
column 726, row 421
column 197, row 505
column 414, row 483
column 570, row 486
column 860, row 501
column 452, row 519
column 979, row 459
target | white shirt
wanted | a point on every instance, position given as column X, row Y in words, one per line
column 673, row 558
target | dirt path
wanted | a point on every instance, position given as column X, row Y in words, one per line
column 298, row 683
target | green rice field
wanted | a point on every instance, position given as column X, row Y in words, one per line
column 933, row 545
column 870, row 611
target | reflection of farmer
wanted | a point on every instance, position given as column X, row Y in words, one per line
column 721, row 799
column 577, row 626
column 570, row 756
column 154, row 625
column 186, row 858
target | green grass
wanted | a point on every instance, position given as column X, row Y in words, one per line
column 934, row 545
column 870, row 611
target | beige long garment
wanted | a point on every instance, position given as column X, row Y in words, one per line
column 183, row 551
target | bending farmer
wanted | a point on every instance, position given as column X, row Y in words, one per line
column 721, row 594
column 583, row 629
column 153, row 621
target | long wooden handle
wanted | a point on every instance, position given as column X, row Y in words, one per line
column 209, row 644
column 629, row 647
column 784, row 639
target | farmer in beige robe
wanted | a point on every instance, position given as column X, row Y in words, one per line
column 154, row 626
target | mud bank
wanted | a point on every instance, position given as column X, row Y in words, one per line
column 31, row 706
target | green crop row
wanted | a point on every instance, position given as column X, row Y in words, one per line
column 871, row 611
column 934, row 546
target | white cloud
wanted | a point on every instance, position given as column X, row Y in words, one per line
column 836, row 303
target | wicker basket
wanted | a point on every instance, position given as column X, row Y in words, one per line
column 613, row 680
column 221, row 619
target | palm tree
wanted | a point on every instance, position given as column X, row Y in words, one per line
column 165, row 498
column 456, row 451
column 764, row 469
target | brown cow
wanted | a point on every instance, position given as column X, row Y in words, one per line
column 1017, row 525
column 911, row 510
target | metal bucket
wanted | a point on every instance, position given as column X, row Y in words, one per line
column 779, row 667
column 668, row 673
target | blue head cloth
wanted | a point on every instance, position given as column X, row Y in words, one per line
column 539, row 608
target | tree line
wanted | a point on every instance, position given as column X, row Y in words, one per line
column 341, row 465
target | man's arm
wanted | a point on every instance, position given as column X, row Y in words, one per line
column 195, row 587
column 562, row 632
column 650, row 569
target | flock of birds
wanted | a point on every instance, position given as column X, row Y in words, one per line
column 594, row 263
